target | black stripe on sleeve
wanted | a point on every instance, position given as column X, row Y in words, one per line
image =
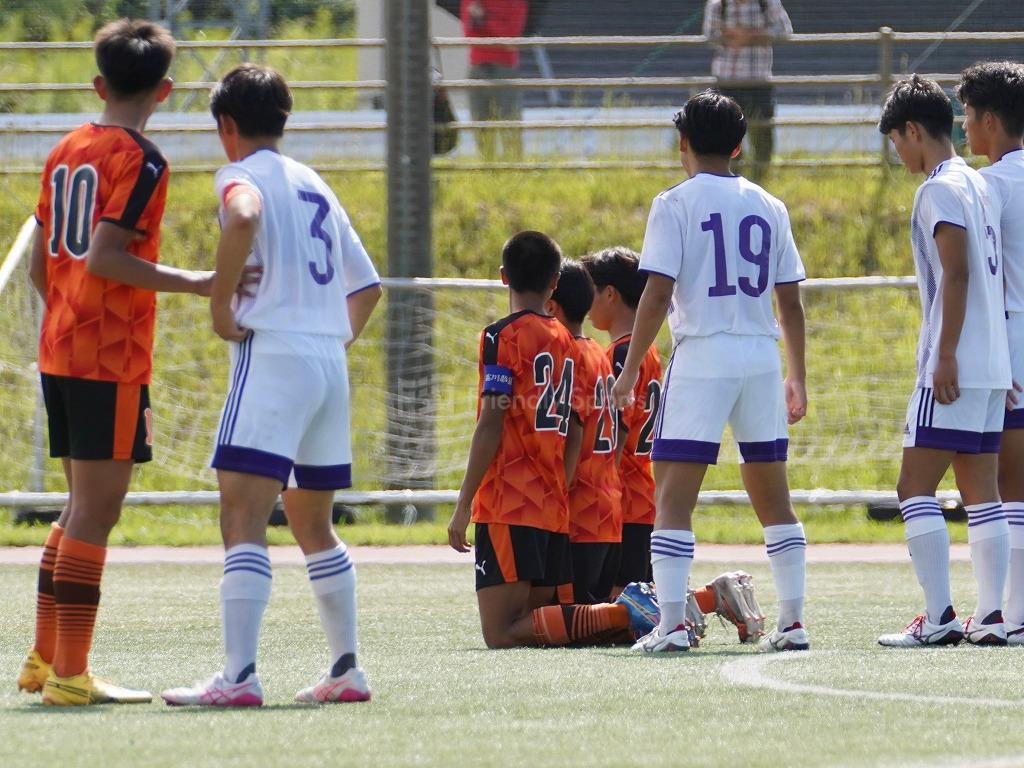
column 151, row 170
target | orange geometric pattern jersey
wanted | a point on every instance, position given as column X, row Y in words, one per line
column 638, row 420
column 595, row 496
column 96, row 328
column 527, row 359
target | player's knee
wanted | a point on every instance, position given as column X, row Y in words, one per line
column 497, row 639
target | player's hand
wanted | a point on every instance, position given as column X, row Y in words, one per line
column 796, row 400
column 945, row 380
column 457, row 529
column 225, row 326
column 1012, row 397
column 622, row 394
column 251, row 277
column 203, row 284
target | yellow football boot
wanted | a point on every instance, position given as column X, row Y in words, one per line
column 84, row 689
column 33, row 673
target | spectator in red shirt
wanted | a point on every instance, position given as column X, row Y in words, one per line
column 495, row 18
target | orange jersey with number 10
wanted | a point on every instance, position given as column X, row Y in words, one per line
column 638, row 420
column 595, row 496
column 96, row 328
column 527, row 358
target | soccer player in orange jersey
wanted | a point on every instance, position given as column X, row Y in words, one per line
column 523, row 452
column 620, row 283
column 595, row 495
column 94, row 262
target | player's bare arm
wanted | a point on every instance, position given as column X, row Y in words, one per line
column 241, row 221
column 650, row 314
column 108, row 257
column 951, row 242
column 360, row 307
column 482, row 450
column 573, row 447
column 37, row 266
column 791, row 322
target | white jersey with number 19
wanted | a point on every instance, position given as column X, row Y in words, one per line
column 727, row 243
column 312, row 258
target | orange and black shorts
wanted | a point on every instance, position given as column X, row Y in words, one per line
column 509, row 553
column 97, row 420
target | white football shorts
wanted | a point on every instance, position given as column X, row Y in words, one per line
column 1015, row 332
column 287, row 411
column 723, row 379
column 973, row 423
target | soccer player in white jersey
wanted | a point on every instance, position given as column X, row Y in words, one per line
column 955, row 416
column 993, row 98
column 717, row 247
column 285, row 423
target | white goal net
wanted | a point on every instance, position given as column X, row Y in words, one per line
column 861, row 334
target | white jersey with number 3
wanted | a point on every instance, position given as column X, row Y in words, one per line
column 727, row 243
column 956, row 194
column 1005, row 179
column 312, row 258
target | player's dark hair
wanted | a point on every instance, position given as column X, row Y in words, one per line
column 996, row 87
column 133, row 56
column 917, row 100
column 575, row 291
column 257, row 98
column 531, row 261
column 712, row 123
column 618, row 267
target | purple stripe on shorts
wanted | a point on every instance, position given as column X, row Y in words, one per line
column 770, row 450
column 1014, row 419
column 959, row 440
column 693, row 451
column 235, row 458
column 329, row 478
column 990, row 442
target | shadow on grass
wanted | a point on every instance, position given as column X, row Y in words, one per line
column 39, row 709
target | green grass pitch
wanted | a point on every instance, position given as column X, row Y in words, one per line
column 441, row 699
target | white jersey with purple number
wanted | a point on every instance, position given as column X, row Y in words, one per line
column 956, row 194
column 1005, row 179
column 726, row 243
column 312, row 258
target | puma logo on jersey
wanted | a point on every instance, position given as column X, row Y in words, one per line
column 482, row 567
column 491, row 336
column 154, row 168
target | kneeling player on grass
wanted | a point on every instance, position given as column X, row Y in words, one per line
column 620, row 283
column 286, row 420
column 993, row 98
column 524, row 450
column 595, row 493
column 715, row 249
column 955, row 416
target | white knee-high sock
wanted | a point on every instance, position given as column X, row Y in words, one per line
column 671, row 558
column 787, row 553
column 1015, row 585
column 244, row 594
column 332, row 576
column 928, row 541
column 988, row 534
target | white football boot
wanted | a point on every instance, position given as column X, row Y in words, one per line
column 792, row 638
column 921, row 632
column 991, row 631
column 217, row 692
column 1014, row 633
column 349, row 687
column 675, row 641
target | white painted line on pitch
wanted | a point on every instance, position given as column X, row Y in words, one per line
column 750, row 673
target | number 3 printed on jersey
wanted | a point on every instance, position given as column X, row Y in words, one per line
column 317, row 232
column 555, row 404
column 72, row 205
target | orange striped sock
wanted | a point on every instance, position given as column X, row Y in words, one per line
column 76, row 588
column 705, row 600
column 46, row 610
column 571, row 624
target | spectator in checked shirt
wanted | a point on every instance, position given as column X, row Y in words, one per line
column 743, row 32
